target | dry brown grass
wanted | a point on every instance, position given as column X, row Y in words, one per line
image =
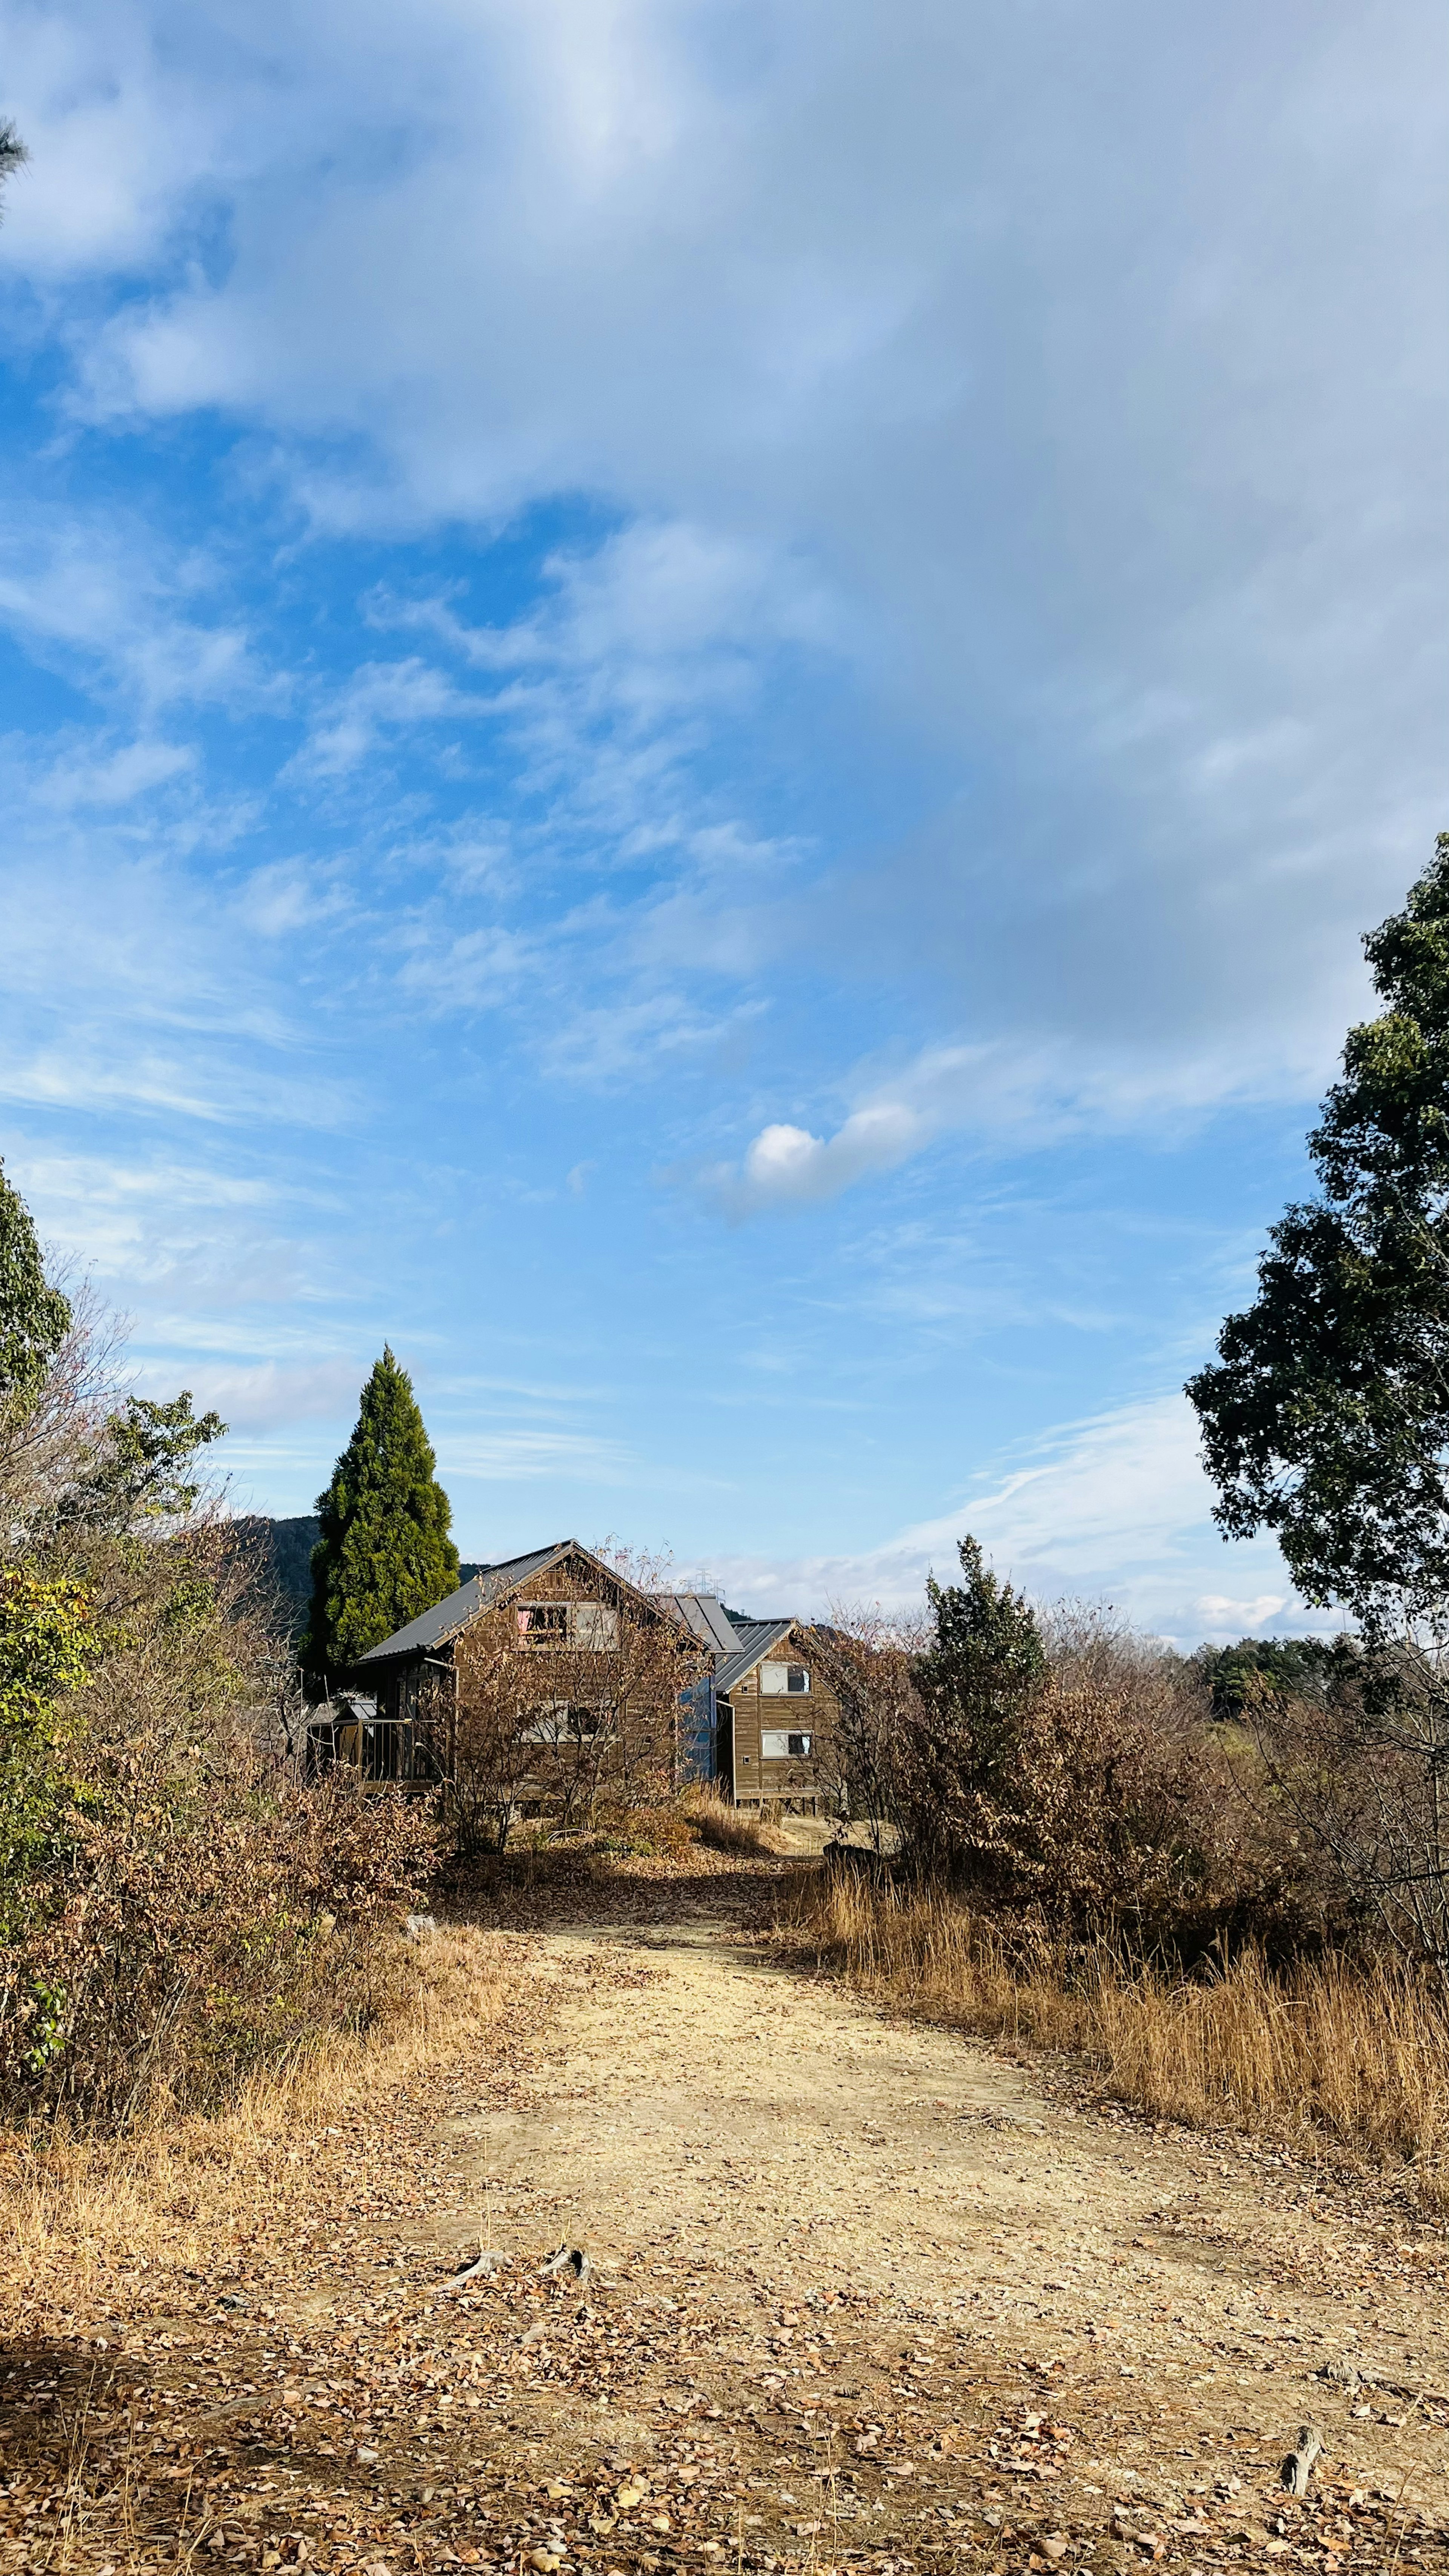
column 1357, row 2055
column 715, row 1821
column 164, row 2194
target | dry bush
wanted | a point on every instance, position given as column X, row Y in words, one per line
column 659, row 1832
column 1354, row 2053
column 165, row 2192
column 1094, row 1791
column 1361, row 1771
column 190, row 1903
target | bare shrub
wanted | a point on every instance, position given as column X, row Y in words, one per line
column 1364, row 1774
column 868, row 1659
column 560, row 1725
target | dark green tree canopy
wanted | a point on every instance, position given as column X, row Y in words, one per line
column 1326, row 1416
column 385, row 1554
column 34, row 1318
column 987, row 1657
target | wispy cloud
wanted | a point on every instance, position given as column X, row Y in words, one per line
column 92, row 594
column 1116, row 1508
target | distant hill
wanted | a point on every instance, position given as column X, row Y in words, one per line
column 283, row 1556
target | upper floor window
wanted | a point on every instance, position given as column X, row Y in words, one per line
column 544, row 1623
column 586, row 1624
column 778, row 1679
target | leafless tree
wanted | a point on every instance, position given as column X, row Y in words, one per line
column 1366, row 1777
column 563, row 1703
column 866, row 1655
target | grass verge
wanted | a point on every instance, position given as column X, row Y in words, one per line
column 1357, row 2054
column 165, row 2196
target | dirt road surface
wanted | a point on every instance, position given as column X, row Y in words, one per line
column 858, row 2293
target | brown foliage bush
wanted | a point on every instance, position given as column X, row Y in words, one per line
column 1097, row 1794
column 188, row 1906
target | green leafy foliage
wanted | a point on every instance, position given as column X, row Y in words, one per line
column 34, row 1317
column 385, row 1554
column 1239, row 1678
column 986, row 1659
column 48, row 1643
column 1326, row 1416
column 970, row 1693
column 143, row 1469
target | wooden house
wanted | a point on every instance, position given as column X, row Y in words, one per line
column 569, row 1641
column 750, row 1707
column 775, row 1720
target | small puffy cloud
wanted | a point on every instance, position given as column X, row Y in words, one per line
column 786, row 1166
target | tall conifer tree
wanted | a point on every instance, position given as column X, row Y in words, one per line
column 34, row 1317
column 385, row 1554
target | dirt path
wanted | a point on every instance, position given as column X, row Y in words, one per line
column 860, row 2294
column 956, row 2309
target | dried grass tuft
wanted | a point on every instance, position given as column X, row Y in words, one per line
column 1356, row 2054
column 716, row 1822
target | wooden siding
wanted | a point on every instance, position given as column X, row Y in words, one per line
column 790, row 1781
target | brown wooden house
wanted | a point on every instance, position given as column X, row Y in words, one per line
column 774, row 1714
column 749, row 1707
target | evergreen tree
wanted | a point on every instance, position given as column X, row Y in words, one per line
column 985, row 1662
column 384, row 1555
column 34, row 1318
column 961, row 1733
column 1326, row 1417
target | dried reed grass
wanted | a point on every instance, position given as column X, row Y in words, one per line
column 1356, row 2054
column 715, row 1821
column 163, row 2194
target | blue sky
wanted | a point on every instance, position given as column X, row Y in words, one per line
column 699, row 706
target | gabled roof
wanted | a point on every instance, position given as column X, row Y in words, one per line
column 490, row 1585
column 756, row 1637
column 706, row 1618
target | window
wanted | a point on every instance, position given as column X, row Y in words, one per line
column 596, row 1624
column 778, row 1746
column 556, row 1722
column 588, row 1624
column 543, row 1623
column 776, row 1680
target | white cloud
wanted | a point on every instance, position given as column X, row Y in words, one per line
column 100, row 595
column 268, row 1395
column 290, row 894
column 379, row 699
column 103, row 777
column 1113, row 1508
column 1076, row 384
